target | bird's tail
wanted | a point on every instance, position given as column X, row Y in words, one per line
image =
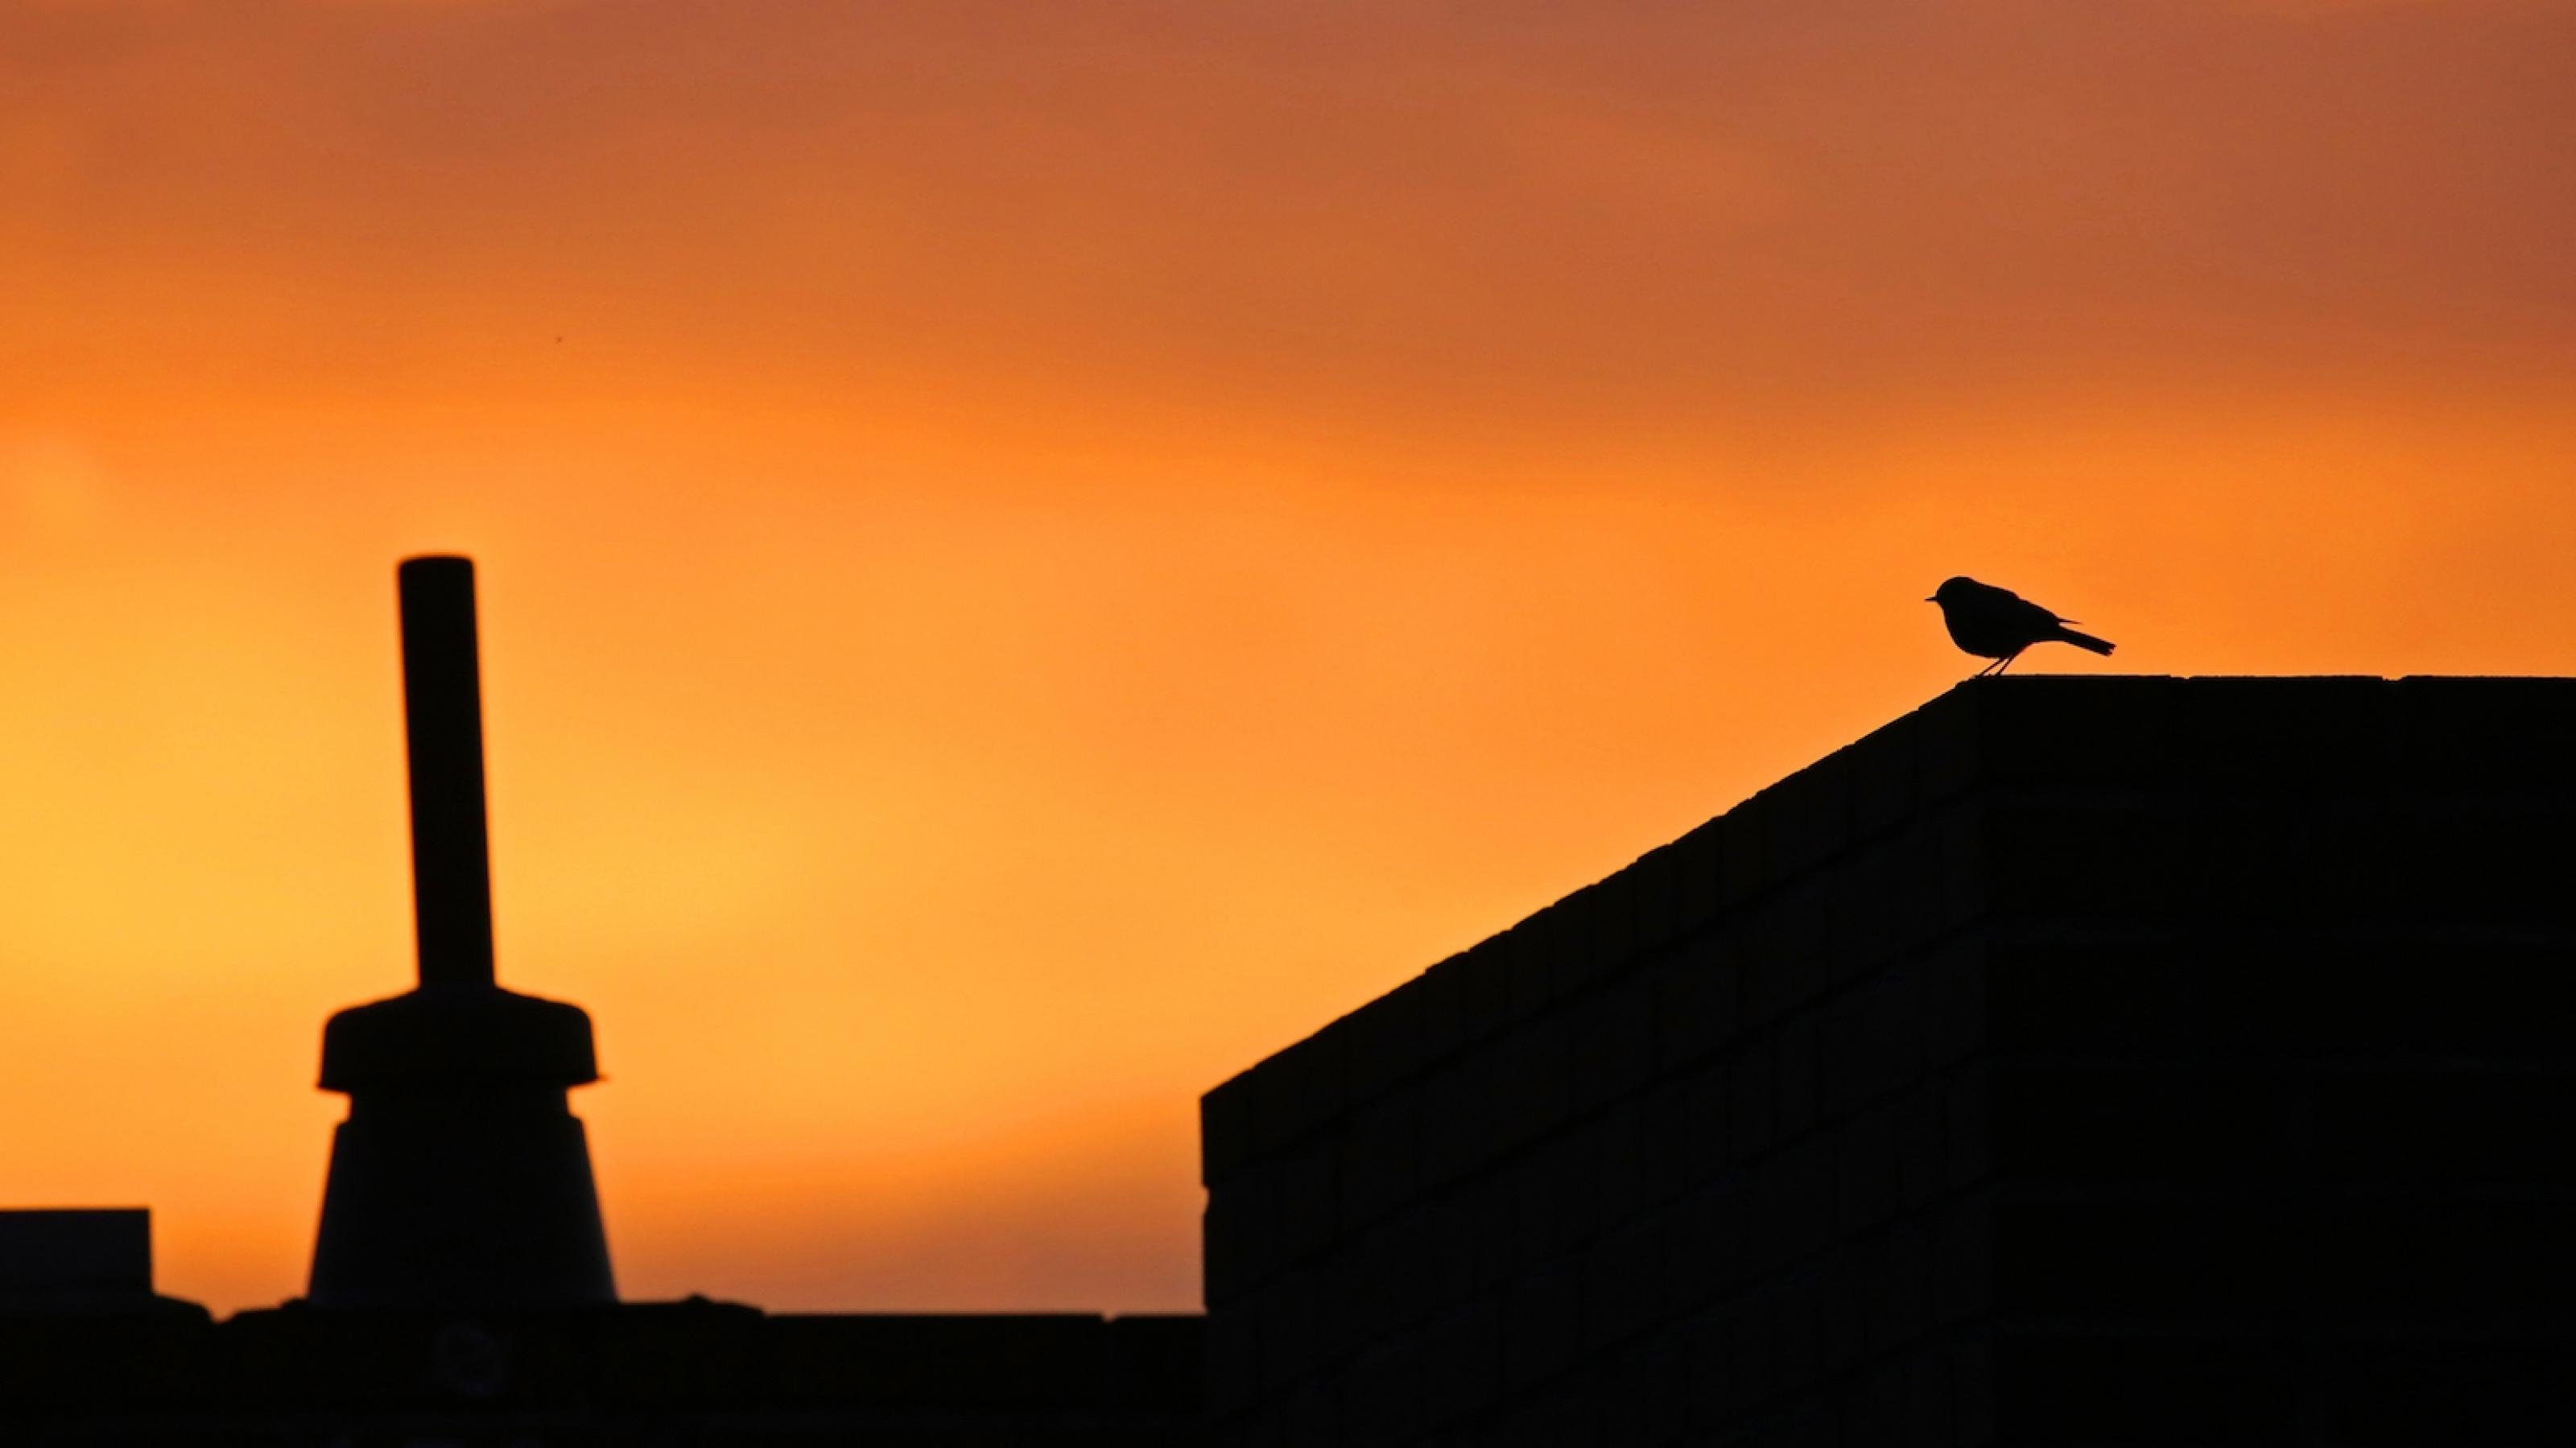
column 2084, row 640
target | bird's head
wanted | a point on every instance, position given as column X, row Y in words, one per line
column 1952, row 590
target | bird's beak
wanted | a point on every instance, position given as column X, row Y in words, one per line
column 1933, row 599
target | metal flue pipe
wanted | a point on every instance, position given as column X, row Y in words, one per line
column 451, row 853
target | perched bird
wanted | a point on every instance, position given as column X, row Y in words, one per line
column 1997, row 623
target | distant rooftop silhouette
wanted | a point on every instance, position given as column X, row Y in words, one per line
column 80, row 1262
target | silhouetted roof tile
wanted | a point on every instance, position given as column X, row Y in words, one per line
column 1229, row 1127
column 1658, row 913
column 2487, row 735
column 2269, row 736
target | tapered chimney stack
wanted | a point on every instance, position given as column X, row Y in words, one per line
column 460, row 1178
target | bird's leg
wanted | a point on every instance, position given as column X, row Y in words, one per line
column 1991, row 666
column 2006, row 662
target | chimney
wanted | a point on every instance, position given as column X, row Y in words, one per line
column 461, row 1178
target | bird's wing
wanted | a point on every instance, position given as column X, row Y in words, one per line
column 2037, row 616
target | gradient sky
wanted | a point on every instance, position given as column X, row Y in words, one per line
column 1034, row 553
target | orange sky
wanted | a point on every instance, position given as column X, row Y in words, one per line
column 1033, row 553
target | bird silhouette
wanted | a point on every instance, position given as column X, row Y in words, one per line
column 1997, row 623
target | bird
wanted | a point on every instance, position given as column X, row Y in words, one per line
column 1997, row 623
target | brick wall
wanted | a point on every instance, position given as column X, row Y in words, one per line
column 2071, row 1061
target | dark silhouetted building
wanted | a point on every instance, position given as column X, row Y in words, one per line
column 656, row 1375
column 2075, row 1061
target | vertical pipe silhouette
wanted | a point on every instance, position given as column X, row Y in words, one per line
column 451, row 850
column 461, row 1178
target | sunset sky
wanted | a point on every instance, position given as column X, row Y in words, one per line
column 1034, row 553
